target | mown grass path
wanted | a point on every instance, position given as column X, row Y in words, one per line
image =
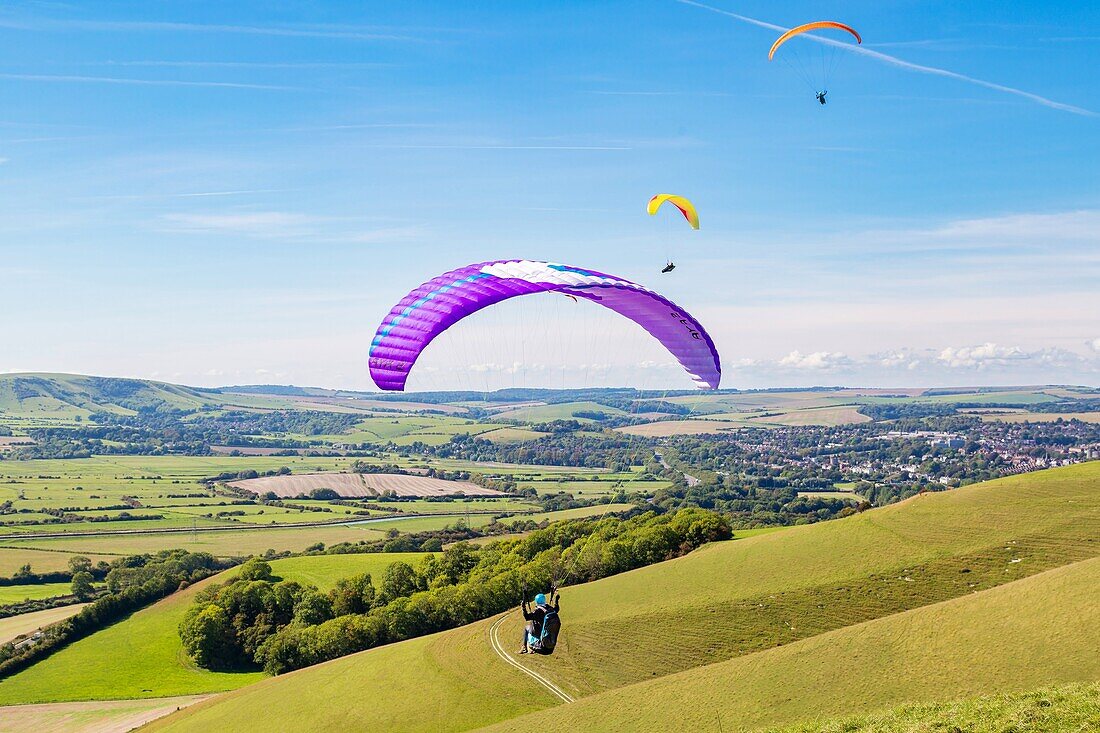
column 494, row 641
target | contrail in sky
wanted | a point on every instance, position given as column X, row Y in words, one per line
column 150, row 82
column 902, row 63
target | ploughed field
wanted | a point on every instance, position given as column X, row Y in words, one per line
column 360, row 485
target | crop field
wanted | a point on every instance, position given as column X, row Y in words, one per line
column 142, row 656
column 819, row 595
column 593, row 488
column 668, row 428
column 41, row 561
column 510, row 435
column 560, row 411
column 842, row 415
column 582, row 513
column 13, row 627
column 108, row 716
column 1089, row 417
column 32, row 592
column 357, row 485
column 223, row 543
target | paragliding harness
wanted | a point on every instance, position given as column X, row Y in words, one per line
column 821, row 96
column 669, row 267
column 547, row 637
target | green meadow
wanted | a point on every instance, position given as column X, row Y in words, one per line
column 142, row 656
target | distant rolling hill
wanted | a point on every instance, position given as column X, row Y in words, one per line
column 894, row 605
column 67, row 397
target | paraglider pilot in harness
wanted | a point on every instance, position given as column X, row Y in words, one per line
column 821, row 96
column 669, row 267
column 540, row 635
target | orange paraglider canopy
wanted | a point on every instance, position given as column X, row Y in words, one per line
column 817, row 24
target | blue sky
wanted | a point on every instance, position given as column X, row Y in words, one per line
column 221, row 193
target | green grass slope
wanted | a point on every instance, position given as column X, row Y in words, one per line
column 50, row 399
column 735, row 598
column 1037, row 631
column 445, row 682
column 142, row 656
column 1060, row 708
column 67, row 396
column 724, row 601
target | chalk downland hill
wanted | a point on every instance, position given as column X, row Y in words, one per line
column 892, row 606
column 66, row 397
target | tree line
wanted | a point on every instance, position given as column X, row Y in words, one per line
column 258, row 620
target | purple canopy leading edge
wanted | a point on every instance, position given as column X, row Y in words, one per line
column 438, row 304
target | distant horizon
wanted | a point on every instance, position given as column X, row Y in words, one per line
column 731, row 390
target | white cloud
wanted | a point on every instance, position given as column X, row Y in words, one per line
column 895, row 359
column 1095, row 345
column 818, row 360
column 980, row 356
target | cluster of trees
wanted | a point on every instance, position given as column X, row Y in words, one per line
column 610, row 450
column 132, row 582
column 906, row 410
column 258, row 620
column 751, row 506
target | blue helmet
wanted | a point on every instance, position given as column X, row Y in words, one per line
column 540, row 599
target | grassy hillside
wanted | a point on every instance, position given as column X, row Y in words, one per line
column 67, row 396
column 142, row 656
column 444, row 682
column 1061, row 708
column 1037, row 631
column 723, row 602
column 736, row 598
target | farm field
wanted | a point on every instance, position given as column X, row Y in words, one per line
column 878, row 585
column 1090, row 417
column 41, row 561
column 107, row 716
column 588, row 511
column 26, row 623
column 142, row 656
column 593, row 488
column 558, row 411
column 358, row 485
column 229, row 543
column 841, row 415
column 32, row 592
column 324, row 570
column 667, row 428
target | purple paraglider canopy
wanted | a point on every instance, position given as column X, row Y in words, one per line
column 438, row 304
